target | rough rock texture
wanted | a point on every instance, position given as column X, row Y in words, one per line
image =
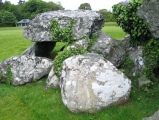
column 30, row 50
column 153, row 117
column 52, row 80
column 87, row 23
column 149, row 12
column 113, row 50
column 89, row 83
column 136, row 55
column 125, row 41
column 79, row 44
column 25, row 68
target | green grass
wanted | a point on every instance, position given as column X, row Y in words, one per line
column 113, row 30
column 12, row 42
column 33, row 102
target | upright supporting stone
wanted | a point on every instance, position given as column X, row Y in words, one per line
column 149, row 12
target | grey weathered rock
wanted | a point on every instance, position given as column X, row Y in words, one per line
column 89, row 83
column 25, row 68
column 114, row 50
column 136, row 55
column 87, row 23
column 52, row 80
column 149, row 12
column 79, row 44
column 30, row 50
column 125, row 41
column 155, row 116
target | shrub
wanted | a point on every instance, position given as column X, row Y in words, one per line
column 9, row 75
column 130, row 22
column 8, row 18
column 151, row 51
column 58, row 61
column 126, row 17
column 63, row 35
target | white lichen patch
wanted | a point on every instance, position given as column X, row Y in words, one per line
column 93, row 68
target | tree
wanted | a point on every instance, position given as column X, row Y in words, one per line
column 108, row 15
column 6, row 5
column 1, row 4
column 8, row 18
column 21, row 2
column 29, row 9
column 0, row 18
column 130, row 22
column 85, row 6
column 33, row 7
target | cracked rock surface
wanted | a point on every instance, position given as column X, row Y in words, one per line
column 89, row 83
column 25, row 68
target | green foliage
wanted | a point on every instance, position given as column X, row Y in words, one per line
column 85, row 6
column 54, row 6
column 1, row 76
column 1, row 5
column 151, row 51
column 147, row 87
column 29, row 9
column 108, row 15
column 9, row 75
column 8, row 18
column 0, row 17
column 127, row 66
column 33, row 7
column 62, row 34
column 127, row 18
column 6, row 5
column 91, row 41
column 58, row 61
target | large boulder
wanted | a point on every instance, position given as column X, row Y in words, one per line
column 113, row 50
column 87, row 23
column 25, row 69
column 89, row 83
column 149, row 12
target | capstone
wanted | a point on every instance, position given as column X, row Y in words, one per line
column 87, row 23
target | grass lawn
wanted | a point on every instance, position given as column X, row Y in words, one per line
column 12, row 42
column 113, row 30
column 33, row 102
